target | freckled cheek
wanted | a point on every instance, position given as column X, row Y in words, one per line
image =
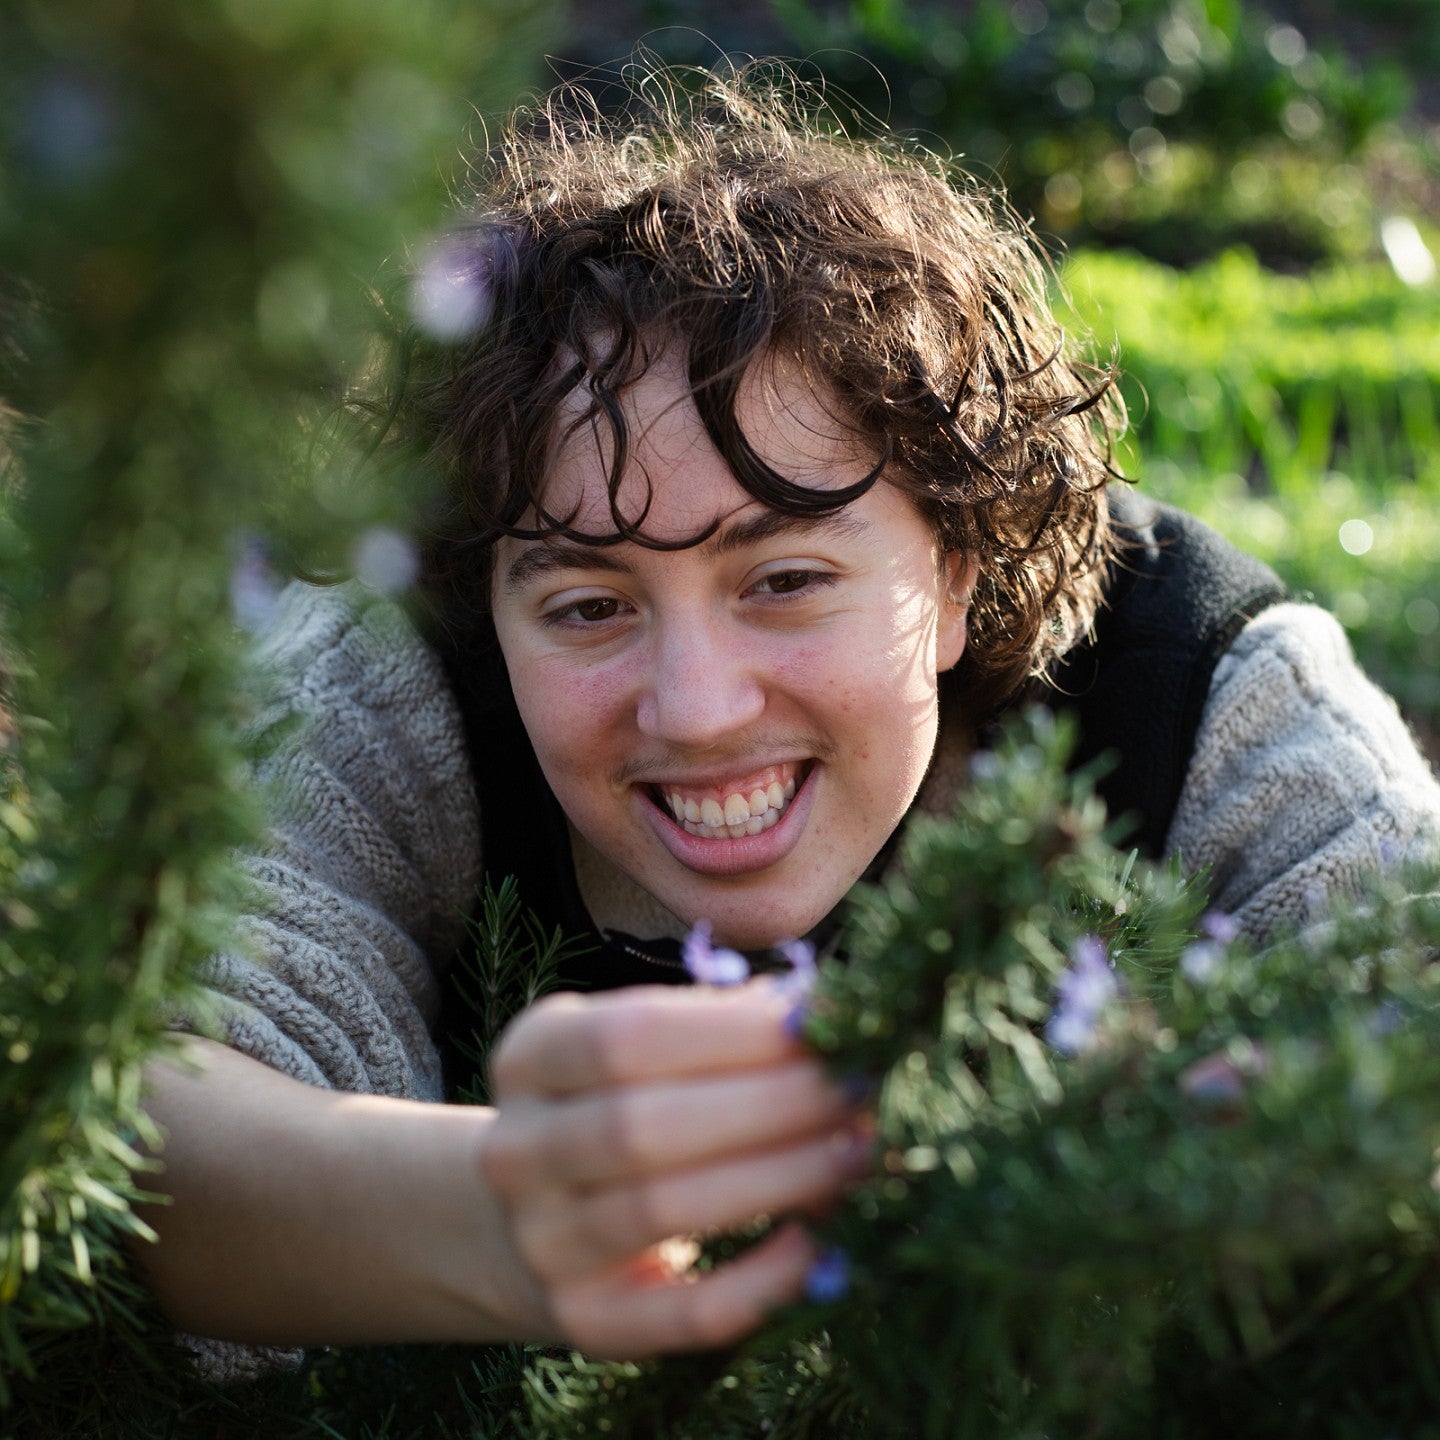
column 572, row 711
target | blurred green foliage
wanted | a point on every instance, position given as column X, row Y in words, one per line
column 196, row 197
column 1301, row 417
column 1238, row 368
column 1178, row 127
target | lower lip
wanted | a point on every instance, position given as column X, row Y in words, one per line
column 732, row 856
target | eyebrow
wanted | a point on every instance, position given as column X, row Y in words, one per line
column 544, row 557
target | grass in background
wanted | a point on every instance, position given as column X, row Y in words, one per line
column 1301, row 417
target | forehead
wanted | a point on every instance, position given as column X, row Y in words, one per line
column 674, row 482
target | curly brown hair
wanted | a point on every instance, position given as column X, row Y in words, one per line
column 728, row 215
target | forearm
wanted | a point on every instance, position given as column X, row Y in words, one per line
column 303, row 1216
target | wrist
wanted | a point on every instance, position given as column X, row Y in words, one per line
column 472, row 1280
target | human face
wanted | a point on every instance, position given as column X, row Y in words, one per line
column 738, row 726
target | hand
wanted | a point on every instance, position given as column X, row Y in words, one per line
column 628, row 1119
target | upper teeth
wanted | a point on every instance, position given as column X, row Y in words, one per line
column 739, row 814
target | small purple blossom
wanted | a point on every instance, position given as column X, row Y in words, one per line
column 984, row 765
column 254, row 585
column 795, row 1019
column 70, row 127
column 451, row 295
column 828, row 1278
column 712, row 964
column 1200, row 960
column 1215, row 1080
column 801, row 955
column 1220, row 927
column 1085, row 987
column 1386, row 1019
column 1221, row 1080
column 385, row 560
column 797, row 984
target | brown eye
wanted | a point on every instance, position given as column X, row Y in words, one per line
column 592, row 611
column 786, row 582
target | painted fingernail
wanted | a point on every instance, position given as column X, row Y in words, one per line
column 828, row 1278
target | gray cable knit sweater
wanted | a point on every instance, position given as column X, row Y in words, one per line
column 1303, row 778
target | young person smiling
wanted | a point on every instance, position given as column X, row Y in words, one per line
column 738, row 725
column 768, row 481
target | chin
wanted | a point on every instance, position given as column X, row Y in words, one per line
column 749, row 925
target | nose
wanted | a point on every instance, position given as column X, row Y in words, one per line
column 703, row 684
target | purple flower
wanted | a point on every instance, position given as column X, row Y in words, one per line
column 450, row 295
column 797, row 984
column 1215, row 1080
column 1085, row 987
column 1221, row 1080
column 385, row 560
column 711, row 964
column 1200, row 960
column 801, row 955
column 984, row 765
column 828, row 1278
column 1219, row 926
column 1386, row 1019
column 254, row 585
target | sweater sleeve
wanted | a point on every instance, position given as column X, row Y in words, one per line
column 359, row 894
column 1304, row 777
column 373, row 857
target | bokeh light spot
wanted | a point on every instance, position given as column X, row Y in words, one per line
column 1029, row 17
column 1352, row 609
column 1163, row 94
column 1075, row 91
column 1406, row 250
column 1063, row 192
column 1286, row 45
column 1102, row 16
column 1356, row 537
column 1422, row 615
column 1302, row 119
column 927, row 95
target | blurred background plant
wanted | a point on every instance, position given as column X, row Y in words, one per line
column 200, row 204
column 196, row 200
column 1175, row 127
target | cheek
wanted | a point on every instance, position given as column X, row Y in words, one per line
column 570, row 711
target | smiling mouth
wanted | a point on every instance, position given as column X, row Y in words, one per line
column 735, row 808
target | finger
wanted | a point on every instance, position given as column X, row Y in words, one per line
column 572, row 1235
column 641, row 1130
column 569, row 1043
column 612, row 1318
